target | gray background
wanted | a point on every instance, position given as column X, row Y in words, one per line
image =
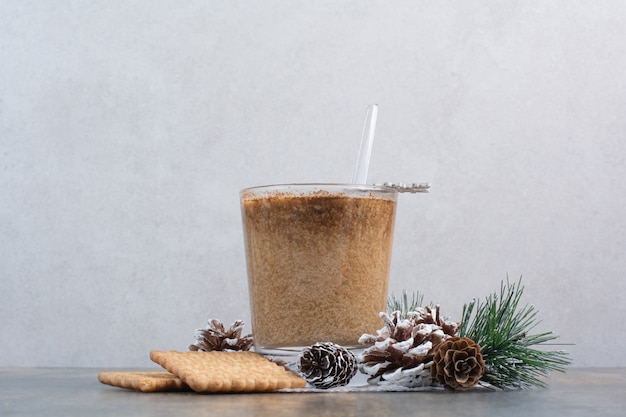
column 127, row 129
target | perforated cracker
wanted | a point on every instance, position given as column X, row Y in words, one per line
column 143, row 381
column 227, row 371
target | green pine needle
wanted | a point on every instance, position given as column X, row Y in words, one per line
column 403, row 305
column 502, row 330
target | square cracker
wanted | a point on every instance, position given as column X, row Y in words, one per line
column 218, row 371
column 143, row 381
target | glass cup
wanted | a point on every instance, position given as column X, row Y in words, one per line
column 318, row 258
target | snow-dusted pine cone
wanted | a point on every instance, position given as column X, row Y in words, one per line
column 401, row 352
column 327, row 365
column 216, row 337
column 429, row 316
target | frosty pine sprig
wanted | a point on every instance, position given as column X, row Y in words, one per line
column 502, row 329
column 403, row 305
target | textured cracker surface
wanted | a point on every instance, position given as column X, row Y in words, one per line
column 227, row 371
column 143, row 381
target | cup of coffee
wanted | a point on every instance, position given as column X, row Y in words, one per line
column 318, row 258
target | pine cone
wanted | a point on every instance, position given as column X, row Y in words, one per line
column 401, row 352
column 327, row 365
column 458, row 364
column 215, row 337
column 428, row 316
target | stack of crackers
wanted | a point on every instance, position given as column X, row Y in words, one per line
column 215, row 371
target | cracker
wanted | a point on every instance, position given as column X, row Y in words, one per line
column 143, row 381
column 218, row 371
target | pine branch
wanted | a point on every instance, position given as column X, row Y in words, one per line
column 502, row 329
column 403, row 305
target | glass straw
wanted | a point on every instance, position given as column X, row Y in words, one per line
column 365, row 151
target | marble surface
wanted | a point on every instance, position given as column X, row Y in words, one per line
column 76, row 391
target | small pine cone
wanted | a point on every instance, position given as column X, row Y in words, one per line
column 457, row 364
column 216, row 337
column 327, row 365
